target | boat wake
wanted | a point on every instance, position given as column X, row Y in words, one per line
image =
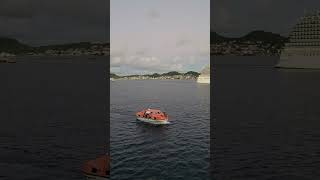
column 145, row 120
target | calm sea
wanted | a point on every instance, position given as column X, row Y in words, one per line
column 53, row 116
column 266, row 120
column 176, row 151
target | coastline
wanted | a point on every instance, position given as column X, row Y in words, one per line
column 153, row 79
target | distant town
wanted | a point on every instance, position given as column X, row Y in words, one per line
column 12, row 47
column 173, row 75
column 256, row 43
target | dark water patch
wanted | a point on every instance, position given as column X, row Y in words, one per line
column 53, row 117
column 266, row 120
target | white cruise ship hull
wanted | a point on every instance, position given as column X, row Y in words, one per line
column 203, row 80
column 303, row 62
column 151, row 121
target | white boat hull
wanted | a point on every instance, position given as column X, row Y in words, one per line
column 92, row 177
column 303, row 62
column 203, row 79
column 151, row 121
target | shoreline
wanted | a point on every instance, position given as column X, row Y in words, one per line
column 153, row 79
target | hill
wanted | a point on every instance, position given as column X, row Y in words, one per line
column 255, row 36
column 168, row 75
column 264, row 37
column 13, row 46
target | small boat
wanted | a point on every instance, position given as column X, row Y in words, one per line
column 153, row 116
column 97, row 169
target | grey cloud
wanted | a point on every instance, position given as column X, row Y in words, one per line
column 145, row 63
column 153, row 14
column 17, row 8
column 152, row 64
column 45, row 22
column 141, row 52
column 236, row 18
column 183, row 42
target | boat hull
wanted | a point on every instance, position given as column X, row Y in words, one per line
column 203, row 80
column 299, row 62
column 92, row 177
column 151, row 121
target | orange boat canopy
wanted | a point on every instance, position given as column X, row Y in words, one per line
column 154, row 114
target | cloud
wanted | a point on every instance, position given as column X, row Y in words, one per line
column 141, row 52
column 152, row 64
column 190, row 55
column 44, row 21
column 236, row 18
column 153, row 14
column 183, row 42
column 163, row 37
column 145, row 63
column 17, row 8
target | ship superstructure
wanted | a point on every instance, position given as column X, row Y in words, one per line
column 204, row 76
column 303, row 48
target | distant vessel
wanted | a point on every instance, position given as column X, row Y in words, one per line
column 303, row 48
column 152, row 116
column 97, row 169
column 111, row 79
column 204, row 76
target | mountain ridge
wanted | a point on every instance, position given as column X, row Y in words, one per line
column 189, row 74
column 13, row 46
column 257, row 35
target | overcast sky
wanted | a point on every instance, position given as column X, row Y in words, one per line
column 54, row 21
column 238, row 17
column 150, row 36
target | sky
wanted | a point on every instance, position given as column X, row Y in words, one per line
column 42, row 22
column 235, row 18
column 57, row 21
column 156, row 36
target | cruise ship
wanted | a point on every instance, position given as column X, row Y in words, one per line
column 303, row 48
column 204, row 77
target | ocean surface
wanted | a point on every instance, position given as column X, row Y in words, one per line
column 266, row 122
column 53, row 116
column 179, row 150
